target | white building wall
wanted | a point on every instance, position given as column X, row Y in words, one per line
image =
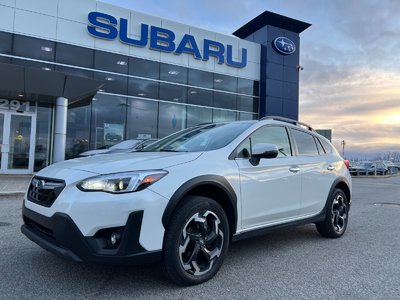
column 66, row 21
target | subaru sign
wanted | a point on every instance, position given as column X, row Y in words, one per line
column 284, row 45
column 161, row 39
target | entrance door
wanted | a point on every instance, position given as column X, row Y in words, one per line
column 16, row 143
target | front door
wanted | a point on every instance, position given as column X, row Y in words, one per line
column 16, row 142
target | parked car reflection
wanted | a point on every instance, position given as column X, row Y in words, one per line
column 122, row 147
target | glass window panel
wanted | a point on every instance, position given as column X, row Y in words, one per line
column 108, row 120
column 113, row 83
column 247, row 116
column 247, row 103
column 305, row 143
column 142, row 118
column 256, row 90
column 33, row 48
column 201, row 78
column 200, row 97
column 33, row 64
column 144, row 68
column 225, row 83
column 75, row 72
column 43, row 136
column 273, row 135
column 171, row 92
column 198, row 115
column 172, row 118
column 224, row 100
column 319, row 146
column 173, row 73
column 143, row 88
column 220, row 115
column 20, row 141
column 5, row 46
column 78, row 131
column 73, row 55
column 245, row 86
column 111, row 62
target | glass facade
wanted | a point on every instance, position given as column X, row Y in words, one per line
column 140, row 97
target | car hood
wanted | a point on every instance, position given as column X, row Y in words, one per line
column 123, row 162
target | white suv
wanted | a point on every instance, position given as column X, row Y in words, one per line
column 183, row 199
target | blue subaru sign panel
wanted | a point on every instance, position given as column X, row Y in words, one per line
column 284, row 45
column 107, row 27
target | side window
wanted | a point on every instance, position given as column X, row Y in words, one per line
column 270, row 135
column 327, row 146
column 319, row 146
column 305, row 143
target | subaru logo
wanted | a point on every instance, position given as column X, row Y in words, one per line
column 284, row 45
column 39, row 184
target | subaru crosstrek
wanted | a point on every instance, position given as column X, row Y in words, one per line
column 185, row 198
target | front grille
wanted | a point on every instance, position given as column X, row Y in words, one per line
column 46, row 231
column 44, row 191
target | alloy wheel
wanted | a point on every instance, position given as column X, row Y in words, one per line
column 339, row 213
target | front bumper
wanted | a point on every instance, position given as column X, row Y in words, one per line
column 60, row 235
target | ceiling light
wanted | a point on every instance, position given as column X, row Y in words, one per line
column 193, row 92
column 20, row 95
column 173, row 72
column 46, row 49
column 176, row 99
column 101, row 90
column 94, row 99
column 109, row 78
column 218, row 80
column 141, row 94
column 122, row 63
column 46, row 69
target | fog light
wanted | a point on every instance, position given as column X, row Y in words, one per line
column 114, row 238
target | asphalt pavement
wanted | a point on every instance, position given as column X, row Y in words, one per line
column 287, row 264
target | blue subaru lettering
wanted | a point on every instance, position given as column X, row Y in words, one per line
column 123, row 34
column 188, row 45
column 162, row 39
column 105, row 26
column 105, row 22
column 284, row 45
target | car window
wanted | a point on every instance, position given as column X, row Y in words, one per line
column 327, row 146
column 319, row 146
column 305, row 143
column 269, row 134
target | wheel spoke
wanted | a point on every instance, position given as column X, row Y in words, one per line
column 195, row 253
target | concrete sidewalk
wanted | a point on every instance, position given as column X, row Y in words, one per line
column 14, row 185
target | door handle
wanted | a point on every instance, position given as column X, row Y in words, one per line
column 330, row 168
column 294, row 169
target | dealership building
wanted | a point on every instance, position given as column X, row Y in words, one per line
column 82, row 74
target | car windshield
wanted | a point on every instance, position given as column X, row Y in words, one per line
column 128, row 144
column 200, row 138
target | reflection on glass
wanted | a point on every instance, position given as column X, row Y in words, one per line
column 142, row 118
column 201, row 78
column 143, row 88
column 78, row 130
column 173, row 73
column 223, row 116
column 224, row 100
column 225, row 83
column 144, row 68
column 172, row 118
column 198, row 115
column 172, row 92
column 20, row 141
column 200, row 97
column 43, row 130
column 108, row 121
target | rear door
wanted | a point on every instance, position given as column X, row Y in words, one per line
column 318, row 171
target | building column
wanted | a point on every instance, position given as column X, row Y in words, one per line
column 60, row 130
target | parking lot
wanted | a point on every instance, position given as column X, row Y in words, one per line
column 288, row 264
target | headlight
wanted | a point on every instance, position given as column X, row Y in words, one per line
column 121, row 182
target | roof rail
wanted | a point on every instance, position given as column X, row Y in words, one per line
column 287, row 120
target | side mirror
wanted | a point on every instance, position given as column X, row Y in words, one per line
column 263, row 150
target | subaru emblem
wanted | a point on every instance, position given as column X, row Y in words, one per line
column 284, row 45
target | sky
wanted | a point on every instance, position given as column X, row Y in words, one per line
column 351, row 59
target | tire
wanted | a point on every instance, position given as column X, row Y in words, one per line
column 336, row 216
column 196, row 241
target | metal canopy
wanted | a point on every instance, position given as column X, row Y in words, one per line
column 28, row 83
column 273, row 19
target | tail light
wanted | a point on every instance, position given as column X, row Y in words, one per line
column 347, row 163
